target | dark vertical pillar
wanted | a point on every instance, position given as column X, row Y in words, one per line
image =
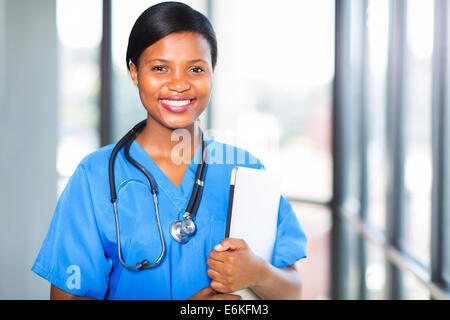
column 396, row 141
column 441, row 135
column 106, row 77
column 341, row 101
column 364, row 139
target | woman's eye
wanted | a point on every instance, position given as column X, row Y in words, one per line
column 198, row 69
column 158, row 68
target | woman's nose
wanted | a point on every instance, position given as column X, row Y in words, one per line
column 179, row 85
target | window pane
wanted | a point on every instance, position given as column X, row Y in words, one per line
column 352, row 238
column 446, row 178
column 375, row 275
column 273, row 87
column 420, row 18
column 314, row 270
column 413, row 289
column 79, row 74
column 127, row 106
column 378, row 26
column 446, row 240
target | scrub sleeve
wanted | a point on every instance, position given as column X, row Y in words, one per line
column 72, row 257
column 290, row 241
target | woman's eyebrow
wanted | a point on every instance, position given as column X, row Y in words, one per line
column 157, row 59
column 196, row 60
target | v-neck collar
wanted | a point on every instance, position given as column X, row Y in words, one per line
column 178, row 195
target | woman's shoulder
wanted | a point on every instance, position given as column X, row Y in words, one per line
column 97, row 159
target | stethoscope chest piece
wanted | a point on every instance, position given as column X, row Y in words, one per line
column 182, row 230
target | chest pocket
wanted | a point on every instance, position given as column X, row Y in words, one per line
column 139, row 235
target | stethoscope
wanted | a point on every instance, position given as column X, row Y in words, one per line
column 181, row 230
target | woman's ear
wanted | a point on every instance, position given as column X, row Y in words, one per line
column 134, row 73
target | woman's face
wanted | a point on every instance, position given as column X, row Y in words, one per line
column 174, row 79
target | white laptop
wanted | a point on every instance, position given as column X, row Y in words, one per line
column 253, row 213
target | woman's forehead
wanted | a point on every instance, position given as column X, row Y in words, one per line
column 179, row 46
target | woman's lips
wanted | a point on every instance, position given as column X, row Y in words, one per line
column 177, row 104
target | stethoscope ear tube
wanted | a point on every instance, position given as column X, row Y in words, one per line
column 191, row 209
column 112, row 158
column 200, row 182
column 139, row 166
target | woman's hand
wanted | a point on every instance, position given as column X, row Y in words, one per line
column 233, row 266
column 207, row 293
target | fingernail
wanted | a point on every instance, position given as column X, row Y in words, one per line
column 218, row 247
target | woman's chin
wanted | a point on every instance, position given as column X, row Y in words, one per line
column 178, row 122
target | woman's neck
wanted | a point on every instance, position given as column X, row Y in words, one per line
column 163, row 143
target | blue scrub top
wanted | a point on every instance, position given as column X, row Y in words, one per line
column 79, row 253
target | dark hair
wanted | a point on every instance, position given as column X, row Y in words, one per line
column 163, row 19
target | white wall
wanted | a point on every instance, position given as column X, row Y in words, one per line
column 28, row 136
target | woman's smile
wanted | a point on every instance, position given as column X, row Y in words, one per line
column 177, row 104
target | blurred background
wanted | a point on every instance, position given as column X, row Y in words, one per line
column 346, row 99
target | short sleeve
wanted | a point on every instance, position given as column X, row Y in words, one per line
column 290, row 242
column 72, row 257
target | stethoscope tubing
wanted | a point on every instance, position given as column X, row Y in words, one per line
column 144, row 263
column 191, row 209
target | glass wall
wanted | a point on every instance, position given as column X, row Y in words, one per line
column 375, row 276
column 315, row 269
column 377, row 25
column 273, row 87
column 79, row 81
column 418, row 160
column 377, row 55
column 442, row 175
column 402, row 158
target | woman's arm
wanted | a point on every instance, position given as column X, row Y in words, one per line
column 278, row 283
column 233, row 266
column 58, row 294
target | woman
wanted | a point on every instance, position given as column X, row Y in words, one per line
column 172, row 52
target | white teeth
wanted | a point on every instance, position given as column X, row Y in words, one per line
column 176, row 103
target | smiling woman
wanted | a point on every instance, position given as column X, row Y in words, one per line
column 171, row 57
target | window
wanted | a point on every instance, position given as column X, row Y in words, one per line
column 377, row 24
column 377, row 32
column 315, row 270
column 274, row 85
column 79, row 74
column 403, row 85
column 375, row 275
column 418, row 160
